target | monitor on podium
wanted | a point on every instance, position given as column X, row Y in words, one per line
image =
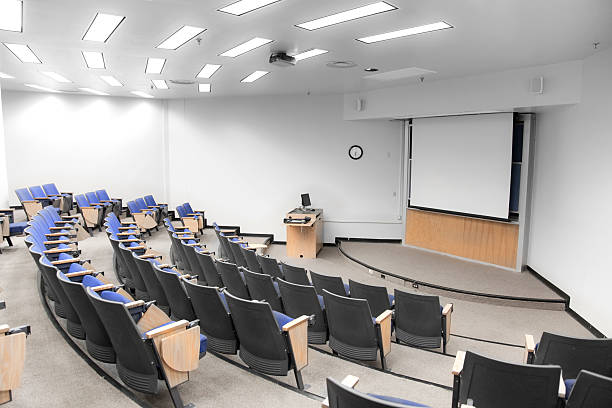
column 305, row 200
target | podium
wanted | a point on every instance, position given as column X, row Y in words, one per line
column 304, row 239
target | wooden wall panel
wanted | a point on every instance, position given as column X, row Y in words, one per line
column 483, row 240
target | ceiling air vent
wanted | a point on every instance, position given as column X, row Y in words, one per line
column 182, row 81
column 341, row 64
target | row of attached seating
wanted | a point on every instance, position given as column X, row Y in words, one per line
column 147, row 213
column 144, row 343
column 9, row 227
column 95, row 205
column 34, row 198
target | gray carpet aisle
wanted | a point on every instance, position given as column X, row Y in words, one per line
column 56, row 376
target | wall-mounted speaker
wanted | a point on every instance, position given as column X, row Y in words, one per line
column 359, row 104
column 536, row 85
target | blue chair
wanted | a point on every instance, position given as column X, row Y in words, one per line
column 29, row 204
column 8, row 227
column 117, row 203
column 199, row 214
column 94, row 201
column 143, row 217
column 39, row 194
column 140, row 202
column 151, row 203
column 52, row 190
column 92, row 214
column 190, row 221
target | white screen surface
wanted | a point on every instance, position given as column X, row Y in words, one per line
column 462, row 164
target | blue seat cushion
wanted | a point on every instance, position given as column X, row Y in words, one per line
column 281, row 319
column 347, row 289
column 391, row 299
column 569, row 385
column 276, row 288
column 114, row 296
column 16, row 228
column 224, row 301
column 397, row 401
column 75, row 267
column 90, row 281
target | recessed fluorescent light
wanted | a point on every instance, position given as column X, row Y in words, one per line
column 23, row 53
column 102, row 27
column 255, row 76
column 11, row 15
column 111, row 80
column 6, row 76
column 155, row 65
column 42, row 88
column 160, row 83
column 94, row 59
column 56, row 77
column 440, row 25
column 204, row 87
column 244, row 6
column 208, row 71
column 309, row 54
column 183, row 35
column 370, row 9
column 142, row 94
column 93, row 91
column 246, row 47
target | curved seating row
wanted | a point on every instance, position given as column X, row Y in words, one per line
column 95, row 205
column 147, row 213
column 34, row 198
column 143, row 342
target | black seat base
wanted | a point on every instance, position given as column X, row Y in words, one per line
column 418, row 341
column 105, row 354
column 357, row 353
column 271, row 367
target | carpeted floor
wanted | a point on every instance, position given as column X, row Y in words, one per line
column 56, row 376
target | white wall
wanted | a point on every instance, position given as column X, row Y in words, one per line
column 4, row 189
column 246, row 160
column 571, row 229
column 83, row 143
column 497, row 91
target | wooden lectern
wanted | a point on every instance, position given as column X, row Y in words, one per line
column 304, row 240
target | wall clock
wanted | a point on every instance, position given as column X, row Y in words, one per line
column 355, row 152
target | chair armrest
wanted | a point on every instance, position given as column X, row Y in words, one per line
column 562, row 390
column 149, row 256
column 126, row 222
column 57, row 228
column 384, row 321
column 166, row 329
column 194, row 244
column 66, row 261
column 297, row 332
column 58, row 250
column 529, row 354
column 102, row 287
column 59, row 241
column 231, row 236
column 458, row 365
column 80, row 273
column 56, row 234
column 162, row 266
column 186, row 238
column 68, row 216
column 256, row 246
column 41, row 198
column 126, row 228
column 129, row 240
column 29, row 201
column 4, row 328
column 447, row 313
column 134, row 304
column 135, row 248
column 106, row 201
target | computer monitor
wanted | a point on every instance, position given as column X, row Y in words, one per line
column 306, row 200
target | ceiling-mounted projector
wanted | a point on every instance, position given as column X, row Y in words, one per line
column 282, row 59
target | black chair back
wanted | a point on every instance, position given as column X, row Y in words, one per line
column 261, row 287
column 262, row 344
column 180, row 305
column 97, row 340
column 215, row 321
column 377, row 296
column 192, row 261
column 574, row 354
column 351, row 330
column 270, row 266
column 302, row 300
column 139, row 285
column 523, row 385
column 123, row 273
column 237, row 252
column 154, row 288
column 209, row 270
column 418, row 320
column 332, row 284
column 136, row 363
column 232, row 279
column 227, row 250
column 295, row 274
column 591, row 391
column 181, row 260
column 341, row 396
column 251, row 260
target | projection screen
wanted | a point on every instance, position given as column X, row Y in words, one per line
column 462, row 164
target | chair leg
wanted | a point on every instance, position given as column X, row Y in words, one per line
column 456, row 387
column 383, row 363
column 177, row 401
column 298, row 379
column 9, row 242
